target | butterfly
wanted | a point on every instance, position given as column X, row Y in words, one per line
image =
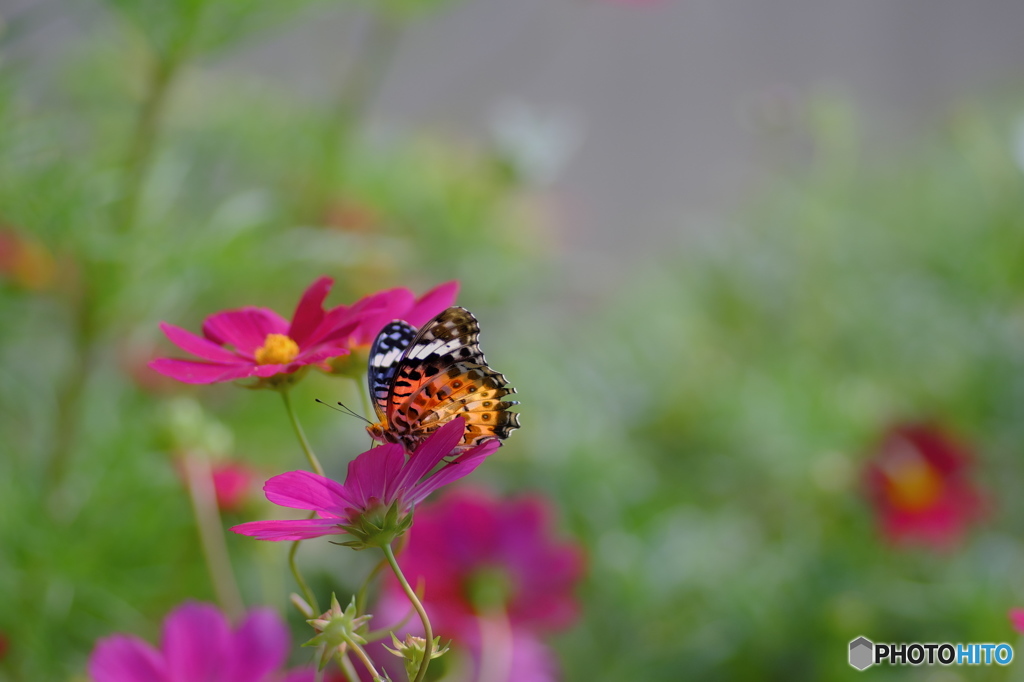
column 421, row 380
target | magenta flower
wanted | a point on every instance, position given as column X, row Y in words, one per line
column 478, row 557
column 376, row 310
column 198, row 645
column 381, row 488
column 257, row 342
column 919, row 485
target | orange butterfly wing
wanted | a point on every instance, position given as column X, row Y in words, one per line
column 442, row 375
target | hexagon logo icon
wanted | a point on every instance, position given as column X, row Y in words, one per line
column 861, row 653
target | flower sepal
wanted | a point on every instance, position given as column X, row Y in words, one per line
column 377, row 526
column 411, row 651
column 337, row 629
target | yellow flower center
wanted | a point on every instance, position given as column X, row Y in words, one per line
column 277, row 349
column 913, row 484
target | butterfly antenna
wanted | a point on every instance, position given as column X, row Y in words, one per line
column 345, row 410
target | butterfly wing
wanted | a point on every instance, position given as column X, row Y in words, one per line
column 444, row 375
column 386, row 354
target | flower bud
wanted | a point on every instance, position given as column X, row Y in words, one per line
column 411, row 650
column 336, row 630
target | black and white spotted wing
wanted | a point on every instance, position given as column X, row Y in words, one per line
column 385, row 355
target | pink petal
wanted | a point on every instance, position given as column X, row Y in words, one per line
column 336, row 326
column 195, row 372
column 388, row 305
column 196, row 643
column 313, row 357
column 465, row 465
column 121, row 658
column 197, row 345
column 259, row 647
column 297, row 529
column 300, row 675
column 245, row 329
column 310, row 311
column 306, row 490
column 432, row 303
column 365, row 477
column 438, row 446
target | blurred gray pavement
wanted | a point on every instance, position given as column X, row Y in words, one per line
column 659, row 94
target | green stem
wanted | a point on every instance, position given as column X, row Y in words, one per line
column 367, row 663
column 428, row 632
column 361, row 594
column 313, row 461
column 303, row 585
column 69, row 401
column 165, row 69
column 358, row 88
column 211, row 535
column 495, row 646
column 348, row 669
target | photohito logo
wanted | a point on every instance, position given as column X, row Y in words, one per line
column 864, row 653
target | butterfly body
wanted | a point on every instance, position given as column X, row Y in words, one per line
column 421, row 380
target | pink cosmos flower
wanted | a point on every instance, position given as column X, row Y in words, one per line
column 378, row 480
column 198, row 645
column 257, row 342
column 479, row 556
column 918, row 482
column 376, row 310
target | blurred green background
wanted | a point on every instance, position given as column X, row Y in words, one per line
column 700, row 416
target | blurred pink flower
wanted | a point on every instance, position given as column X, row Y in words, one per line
column 378, row 479
column 198, row 645
column 231, row 482
column 1017, row 619
column 257, row 342
column 918, row 483
column 479, row 556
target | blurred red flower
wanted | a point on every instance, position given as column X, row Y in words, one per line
column 25, row 261
column 257, row 342
column 918, row 483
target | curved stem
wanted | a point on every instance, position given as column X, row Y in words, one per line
column 166, row 67
column 303, row 585
column 361, row 594
column 313, row 461
column 428, row 632
column 367, row 663
column 211, row 535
